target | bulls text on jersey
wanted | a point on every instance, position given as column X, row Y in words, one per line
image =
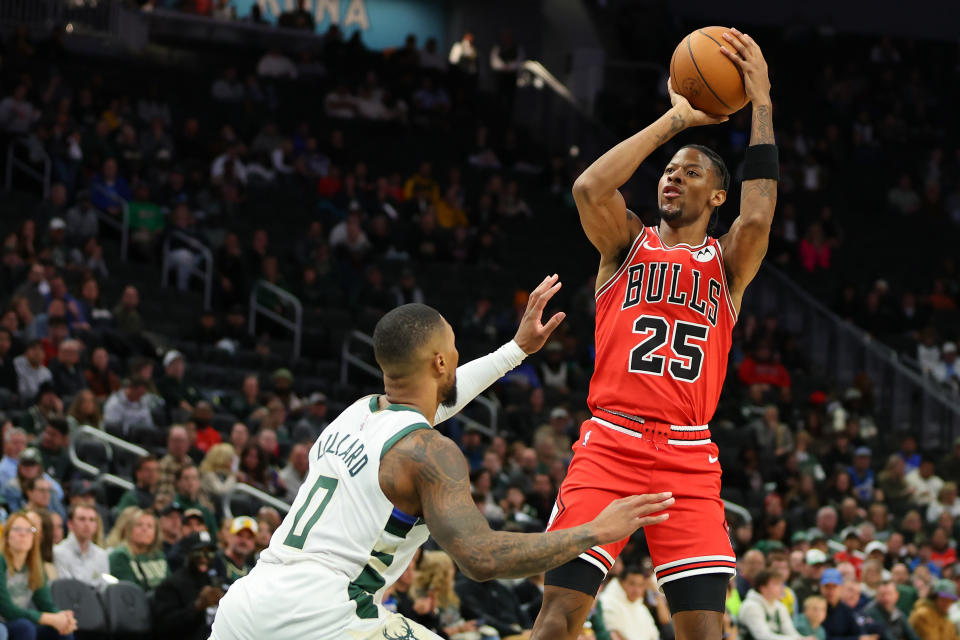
column 656, row 282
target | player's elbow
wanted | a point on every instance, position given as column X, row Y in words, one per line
column 584, row 188
column 478, row 569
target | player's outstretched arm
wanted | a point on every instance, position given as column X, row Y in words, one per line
column 609, row 226
column 745, row 245
column 441, row 478
column 474, row 377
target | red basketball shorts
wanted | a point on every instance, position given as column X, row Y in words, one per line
column 612, row 461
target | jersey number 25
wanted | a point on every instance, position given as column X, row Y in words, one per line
column 687, row 360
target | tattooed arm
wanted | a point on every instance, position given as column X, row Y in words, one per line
column 745, row 245
column 440, row 479
column 609, row 226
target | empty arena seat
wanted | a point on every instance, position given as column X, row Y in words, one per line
column 128, row 610
column 93, row 452
column 82, row 599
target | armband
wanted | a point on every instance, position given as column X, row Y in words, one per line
column 761, row 162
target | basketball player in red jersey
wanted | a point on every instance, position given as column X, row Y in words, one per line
column 667, row 301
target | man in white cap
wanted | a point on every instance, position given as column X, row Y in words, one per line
column 808, row 582
column 947, row 371
column 175, row 392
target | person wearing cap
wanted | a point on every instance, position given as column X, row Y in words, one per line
column 171, row 386
column 314, row 419
column 930, row 615
column 77, row 556
column 861, row 475
column 171, row 526
column 30, row 465
column 947, row 371
column 54, row 440
column 46, row 405
column 129, row 407
column 237, row 558
column 191, row 521
column 808, row 582
column 840, row 624
column 282, row 380
column 852, row 551
column 762, row 615
column 182, row 601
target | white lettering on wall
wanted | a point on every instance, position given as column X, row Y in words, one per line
column 357, row 15
column 327, row 6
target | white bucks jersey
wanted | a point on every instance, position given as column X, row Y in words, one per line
column 341, row 524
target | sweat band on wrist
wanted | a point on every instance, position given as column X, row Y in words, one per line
column 761, row 162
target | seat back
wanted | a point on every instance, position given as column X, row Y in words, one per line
column 128, row 610
column 82, row 599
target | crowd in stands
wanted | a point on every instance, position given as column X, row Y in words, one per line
column 852, row 532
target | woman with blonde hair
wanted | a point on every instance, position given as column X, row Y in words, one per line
column 217, row 472
column 84, row 410
column 138, row 558
column 115, row 537
column 433, row 581
column 44, row 524
column 25, row 601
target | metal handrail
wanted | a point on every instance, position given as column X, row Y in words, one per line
column 123, row 226
column 740, row 511
column 262, row 496
column 347, row 358
column 295, row 325
column 206, row 273
column 109, row 441
column 13, row 163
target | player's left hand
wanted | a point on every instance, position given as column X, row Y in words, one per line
column 532, row 334
column 744, row 52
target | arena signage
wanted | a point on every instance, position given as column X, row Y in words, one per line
column 382, row 23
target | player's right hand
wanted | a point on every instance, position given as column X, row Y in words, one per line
column 690, row 117
column 624, row 516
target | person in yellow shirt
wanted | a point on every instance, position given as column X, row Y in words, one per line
column 449, row 212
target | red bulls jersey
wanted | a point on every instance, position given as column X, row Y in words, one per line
column 663, row 334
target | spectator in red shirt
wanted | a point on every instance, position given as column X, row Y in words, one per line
column 207, row 436
column 852, row 552
column 942, row 554
column 760, row 368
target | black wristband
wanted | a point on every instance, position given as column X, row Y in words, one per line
column 761, row 162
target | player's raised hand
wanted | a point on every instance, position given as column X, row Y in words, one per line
column 624, row 516
column 691, row 117
column 744, row 52
column 532, row 333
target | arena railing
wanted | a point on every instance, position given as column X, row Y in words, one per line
column 27, row 168
column 295, row 325
column 256, row 494
column 110, row 443
column 122, row 226
column 348, row 358
column 206, row 273
column 909, row 400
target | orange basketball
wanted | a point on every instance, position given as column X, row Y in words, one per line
column 703, row 75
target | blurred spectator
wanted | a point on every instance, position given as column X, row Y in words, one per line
column 109, row 189
column 68, row 379
column 183, row 601
column 929, row 617
column 129, row 407
column 433, row 584
column 126, row 314
column 299, row 18
column 25, row 585
column 624, row 611
column 762, row 614
column 172, row 387
column 295, row 472
column 78, row 557
column 506, row 61
column 205, row 435
column 923, row 484
column 178, row 444
column 99, row 378
column 256, row 472
column 144, row 492
column 494, row 602
column 236, row 559
column 217, row 477
column 188, row 495
column 17, row 114
column 14, row 442
column 274, row 64
column 809, row 622
column 463, row 57
column 840, row 621
column 31, row 373
column 138, row 557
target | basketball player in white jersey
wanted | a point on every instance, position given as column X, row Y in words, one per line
column 382, row 480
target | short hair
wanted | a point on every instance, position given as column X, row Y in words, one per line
column 36, row 342
column 179, row 472
column 814, row 599
column 72, row 511
column 402, row 332
column 763, row 577
column 142, row 460
column 137, row 381
column 57, row 321
column 634, row 568
column 59, row 424
column 718, row 164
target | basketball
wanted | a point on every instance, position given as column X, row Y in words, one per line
column 703, row 75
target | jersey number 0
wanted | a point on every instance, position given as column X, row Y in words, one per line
column 688, row 361
column 317, row 500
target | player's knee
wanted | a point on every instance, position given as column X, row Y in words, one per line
column 562, row 616
column 698, row 625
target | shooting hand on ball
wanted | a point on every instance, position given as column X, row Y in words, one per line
column 689, row 116
column 744, row 52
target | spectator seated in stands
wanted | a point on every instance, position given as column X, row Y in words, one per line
column 54, row 442
column 14, row 442
column 78, row 557
column 624, row 609
column 138, row 558
column 762, row 614
column 187, row 484
column 24, row 584
column 237, row 557
column 495, row 603
column 143, row 494
column 435, row 603
column 181, row 602
column 809, row 622
column 883, row 611
column 217, row 475
column 314, row 419
column 178, row 446
column 295, row 472
column 929, row 617
column 129, row 407
column 29, row 467
column 68, row 378
column 109, row 189
column 205, row 435
column 31, row 372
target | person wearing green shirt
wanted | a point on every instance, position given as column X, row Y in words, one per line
column 138, row 558
column 146, row 472
column 26, row 605
column 189, row 496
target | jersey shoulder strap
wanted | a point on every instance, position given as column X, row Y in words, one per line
column 391, row 424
